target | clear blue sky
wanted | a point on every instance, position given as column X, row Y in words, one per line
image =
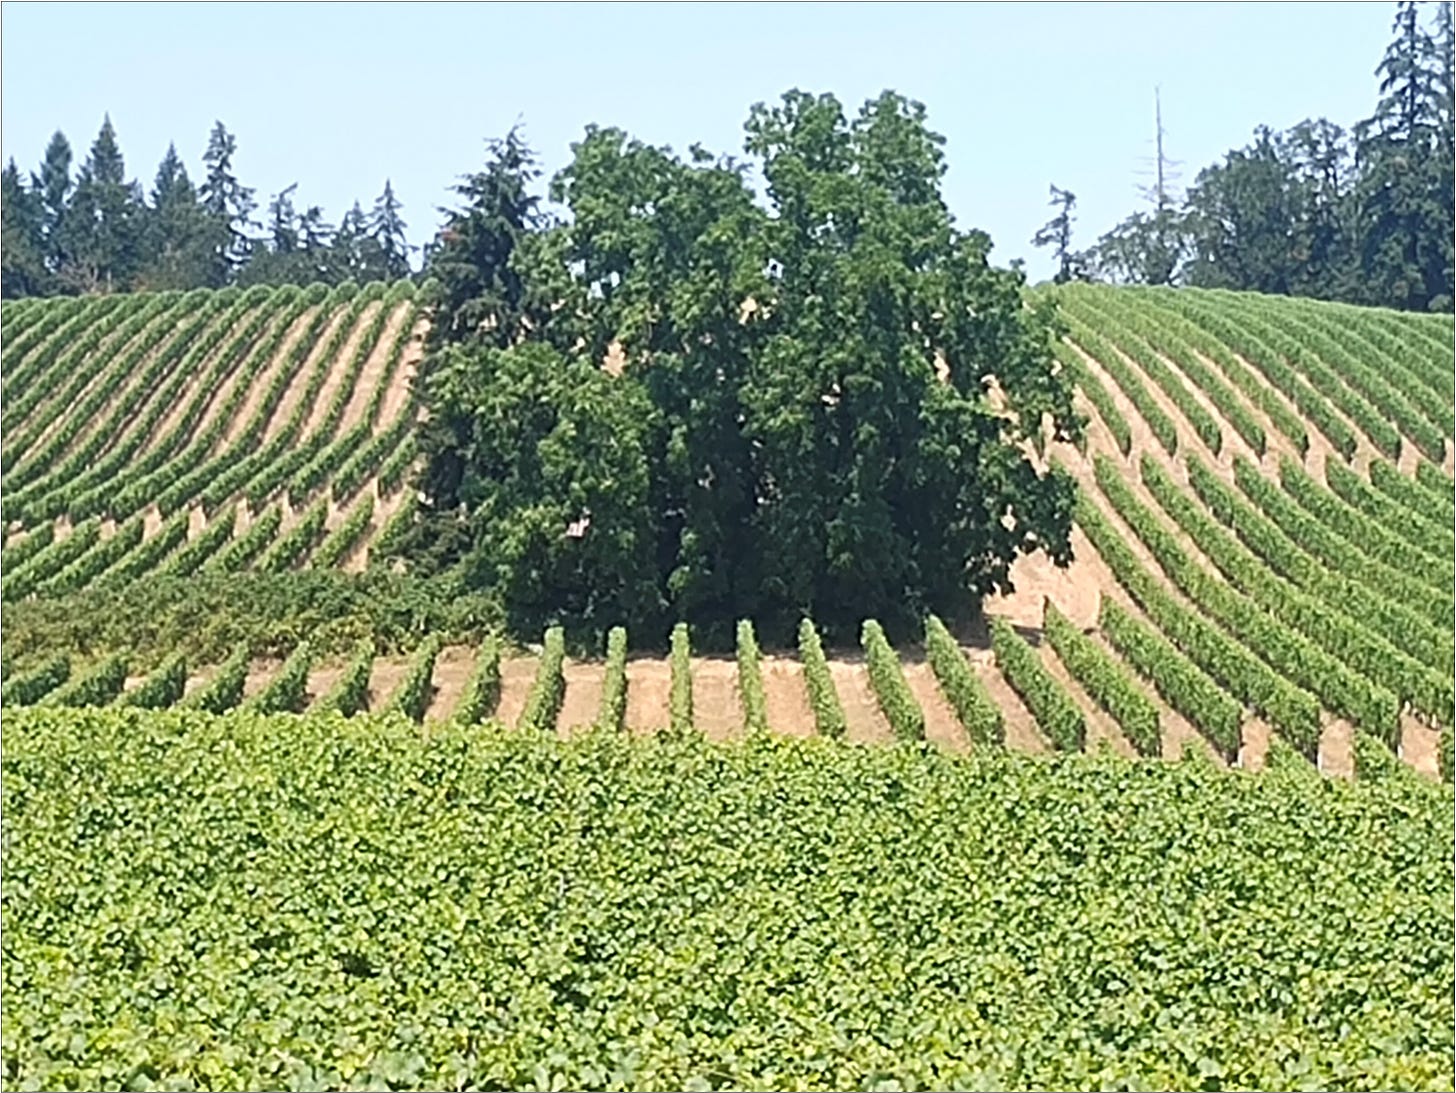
column 337, row 97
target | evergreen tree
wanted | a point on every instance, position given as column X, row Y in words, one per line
column 282, row 221
column 53, row 185
column 1057, row 234
column 479, row 302
column 355, row 254
column 228, row 205
column 481, row 296
column 177, row 254
column 103, row 230
column 1404, row 199
column 22, row 238
column 387, row 229
column 1242, row 220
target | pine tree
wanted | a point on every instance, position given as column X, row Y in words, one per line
column 177, row 243
column 22, row 238
column 1404, row 203
column 228, row 205
column 481, row 296
column 103, row 233
column 387, row 229
column 53, row 185
column 1057, row 234
column 282, row 221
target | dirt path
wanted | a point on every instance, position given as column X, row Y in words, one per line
column 1419, row 746
column 1021, row 730
column 385, row 676
column 259, row 673
column 649, row 687
column 1275, row 442
column 1410, row 457
column 863, row 717
column 786, row 698
column 517, row 675
column 369, row 375
column 334, row 370
column 322, row 680
column 199, row 679
column 397, row 396
column 108, row 353
column 197, row 521
column 1254, row 744
column 1336, row 757
column 1076, row 590
column 942, row 727
column 717, row 710
column 453, row 668
column 151, row 521
column 1100, row 726
column 258, row 388
column 582, row 700
column 213, row 398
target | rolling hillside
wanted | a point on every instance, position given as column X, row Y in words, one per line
column 1264, row 540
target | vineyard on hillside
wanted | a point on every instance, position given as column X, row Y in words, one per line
column 281, row 813
column 1264, row 544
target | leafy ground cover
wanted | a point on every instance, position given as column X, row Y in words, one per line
column 313, row 902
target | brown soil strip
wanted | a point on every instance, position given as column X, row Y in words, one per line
column 334, row 370
column 151, row 521
column 253, row 400
column 864, row 719
column 259, row 673
column 1100, row 727
column 1178, row 732
column 106, row 356
column 107, row 528
column 1076, row 590
column 385, row 677
column 398, row 395
column 1275, row 442
column 582, row 700
column 1254, row 747
column 786, row 698
column 1337, row 749
column 321, row 680
column 649, row 687
column 717, row 710
column 200, row 679
column 196, row 521
column 1410, row 457
column 217, row 398
column 517, row 675
column 942, row 727
column 369, row 375
column 1419, row 746
column 453, row 669
column 1022, row 731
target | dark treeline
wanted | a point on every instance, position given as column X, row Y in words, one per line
column 1363, row 216
column 87, row 230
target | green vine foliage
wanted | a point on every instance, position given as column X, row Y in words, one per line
column 490, row 871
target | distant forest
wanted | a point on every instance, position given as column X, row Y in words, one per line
column 1363, row 215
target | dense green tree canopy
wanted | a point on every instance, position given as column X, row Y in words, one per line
column 1365, row 217
column 829, row 396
